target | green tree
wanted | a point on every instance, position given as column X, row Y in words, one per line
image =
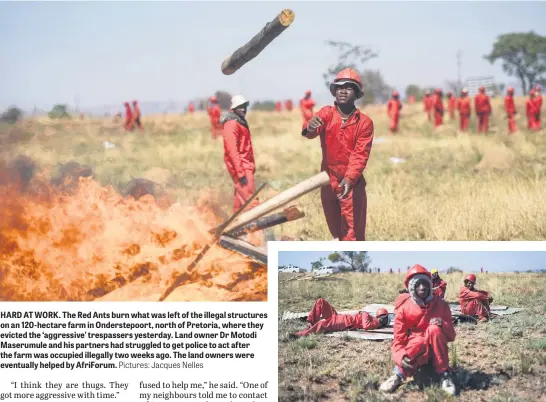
column 356, row 261
column 452, row 270
column 318, row 264
column 12, row 115
column 414, row 90
column 59, row 112
column 376, row 89
column 523, row 55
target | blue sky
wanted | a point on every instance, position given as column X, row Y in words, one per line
column 106, row 52
column 469, row 261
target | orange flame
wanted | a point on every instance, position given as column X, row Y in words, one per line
column 94, row 244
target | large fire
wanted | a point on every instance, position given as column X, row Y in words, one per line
column 83, row 241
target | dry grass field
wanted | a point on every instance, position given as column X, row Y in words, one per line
column 503, row 360
column 451, row 186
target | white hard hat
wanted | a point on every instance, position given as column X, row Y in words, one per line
column 238, row 100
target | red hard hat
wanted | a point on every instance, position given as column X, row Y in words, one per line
column 126, row 103
column 471, row 278
column 395, row 93
column 308, row 92
column 532, row 92
column 213, row 99
column 414, row 270
column 510, row 89
column 464, row 91
column 381, row 311
column 438, row 91
column 482, row 89
column 347, row 75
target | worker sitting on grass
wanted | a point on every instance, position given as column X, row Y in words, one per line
column 422, row 329
column 324, row 318
column 439, row 286
column 474, row 302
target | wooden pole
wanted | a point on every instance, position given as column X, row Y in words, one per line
column 258, row 43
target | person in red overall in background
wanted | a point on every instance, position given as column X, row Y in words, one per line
column 474, row 302
column 191, row 108
column 288, row 105
column 306, row 106
column 128, row 117
column 465, row 110
column 346, row 136
column 411, row 99
column 393, row 111
column 483, row 110
column 238, row 152
column 214, row 115
column 451, row 105
column 323, row 318
column 438, row 108
column 439, row 286
column 538, row 107
column 510, row 108
column 427, row 105
column 422, row 329
column 530, row 109
column 136, row 116
column 278, row 106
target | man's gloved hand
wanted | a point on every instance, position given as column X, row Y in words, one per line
column 243, row 180
column 436, row 321
column 345, row 187
column 406, row 363
column 314, row 123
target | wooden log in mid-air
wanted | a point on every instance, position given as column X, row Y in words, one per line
column 258, row 43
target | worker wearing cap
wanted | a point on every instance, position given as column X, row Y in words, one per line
column 439, row 286
column 422, row 329
column 238, row 152
column 346, row 136
column 451, row 105
column 465, row 109
column 393, row 111
column 306, row 106
column 136, row 116
column 474, row 302
column 510, row 108
column 483, row 110
column 128, row 117
column 214, row 115
column 438, row 108
column 323, row 318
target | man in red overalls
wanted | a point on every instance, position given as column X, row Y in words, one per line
column 451, row 105
column 346, row 136
column 238, row 152
column 538, row 106
column 483, row 110
column 306, row 106
column 323, row 318
column 427, row 105
column 214, row 115
column 393, row 111
column 422, row 329
column 288, row 105
column 128, row 117
column 439, row 286
column 510, row 108
column 474, row 302
column 438, row 108
column 465, row 109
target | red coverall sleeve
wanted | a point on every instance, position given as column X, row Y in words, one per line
column 325, row 117
column 369, row 322
column 447, row 324
column 443, row 285
column 230, row 141
column 398, row 346
column 360, row 154
column 468, row 294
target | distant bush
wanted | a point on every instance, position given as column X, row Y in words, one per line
column 452, row 270
column 59, row 112
column 263, row 106
column 12, row 115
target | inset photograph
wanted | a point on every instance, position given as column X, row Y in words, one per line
column 411, row 325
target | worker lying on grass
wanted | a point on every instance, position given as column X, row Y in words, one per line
column 439, row 286
column 238, row 152
column 346, row 137
column 474, row 302
column 323, row 318
column 422, row 329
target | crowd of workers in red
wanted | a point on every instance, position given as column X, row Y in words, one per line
column 434, row 108
column 423, row 324
column 132, row 117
